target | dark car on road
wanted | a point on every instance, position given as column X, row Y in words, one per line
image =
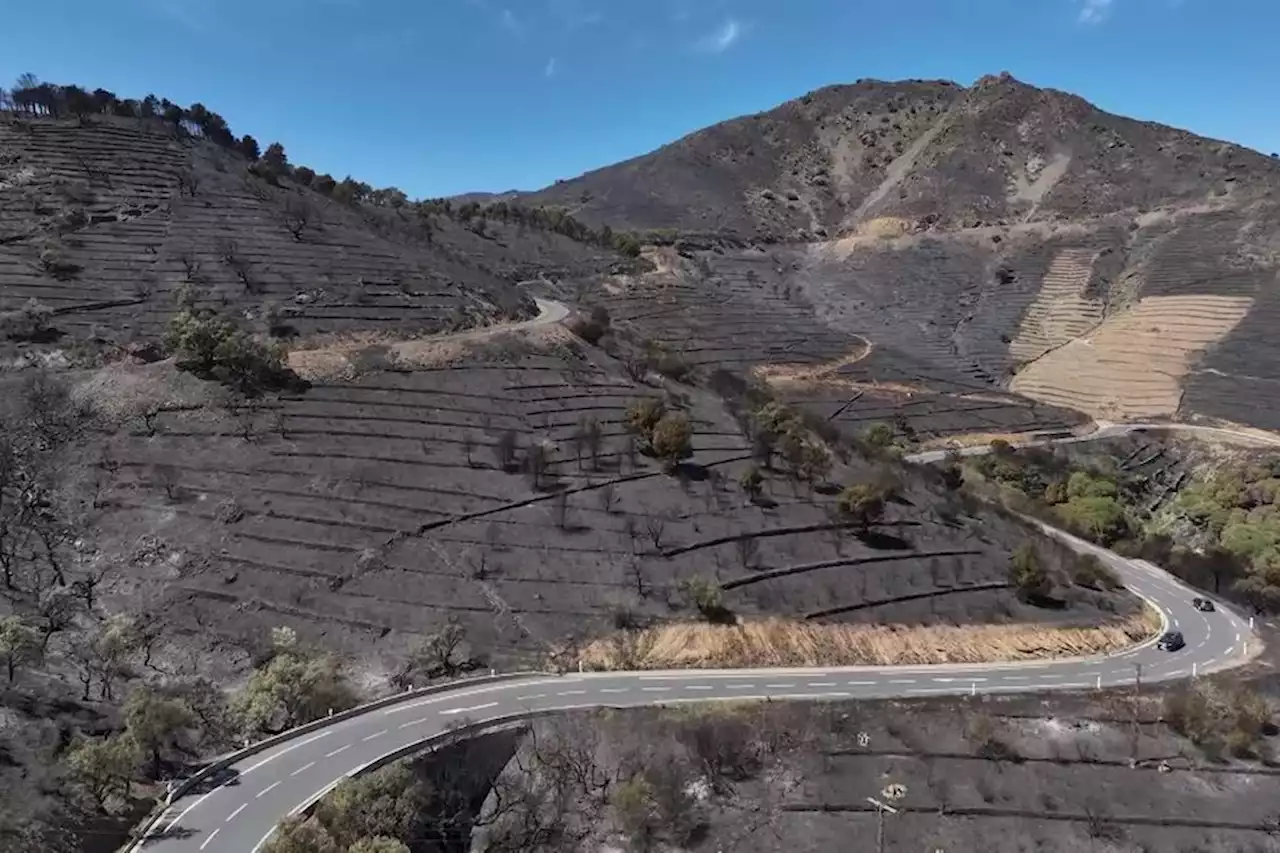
column 1204, row 605
column 1170, row 641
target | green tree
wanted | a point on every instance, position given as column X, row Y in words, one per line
column 19, row 644
column 155, row 722
column 301, row 835
column 1082, row 484
column 635, row 810
column 389, row 802
column 304, row 175
column 378, row 844
column 1101, row 519
column 291, row 689
column 878, row 435
column 103, row 767
column 1028, row 575
column 862, row 504
column 643, row 416
column 752, row 482
column 672, row 438
column 248, row 146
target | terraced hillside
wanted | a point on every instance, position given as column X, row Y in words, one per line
column 103, row 222
column 1016, row 236
column 372, row 509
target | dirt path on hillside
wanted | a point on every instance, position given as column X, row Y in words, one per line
column 338, row 360
column 772, row 373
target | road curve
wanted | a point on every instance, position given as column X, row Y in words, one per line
column 241, row 814
column 1105, row 430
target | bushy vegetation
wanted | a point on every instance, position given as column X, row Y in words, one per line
column 1238, row 510
column 31, row 322
column 1227, row 522
column 1088, row 503
column 1219, row 719
column 209, row 344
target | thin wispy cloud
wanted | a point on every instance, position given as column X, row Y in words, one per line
column 550, row 69
column 510, row 22
column 575, row 14
column 721, row 38
column 1094, row 11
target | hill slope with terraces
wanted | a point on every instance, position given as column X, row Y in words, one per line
column 105, row 220
column 1008, row 237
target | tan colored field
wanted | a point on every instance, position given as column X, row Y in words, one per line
column 777, row 642
column 1133, row 365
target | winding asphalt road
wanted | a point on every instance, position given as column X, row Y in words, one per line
column 240, row 815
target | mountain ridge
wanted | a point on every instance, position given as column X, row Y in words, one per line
column 836, row 146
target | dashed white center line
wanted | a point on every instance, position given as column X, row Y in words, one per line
column 336, row 751
column 531, row 697
column 740, row 687
column 655, row 689
column 302, row 770
column 822, row 684
column 615, row 689
column 860, row 683
column 778, row 686
column 570, row 693
column 372, row 736
column 212, row 835
column 902, row 681
column 266, row 789
column 472, row 708
column 416, row 722
column 697, row 687
column 232, row 816
column 1016, row 677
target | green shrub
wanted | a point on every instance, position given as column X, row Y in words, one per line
column 862, row 504
column 672, row 438
column 1027, row 575
column 1092, row 572
column 215, row 346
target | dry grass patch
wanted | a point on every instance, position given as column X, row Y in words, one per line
column 1133, row 365
column 779, row 642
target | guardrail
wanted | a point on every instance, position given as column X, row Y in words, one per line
column 144, row 830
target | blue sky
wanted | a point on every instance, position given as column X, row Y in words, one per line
column 444, row 96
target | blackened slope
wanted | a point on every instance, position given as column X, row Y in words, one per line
column 793, row 168
column 931, row 153
column 104, row 220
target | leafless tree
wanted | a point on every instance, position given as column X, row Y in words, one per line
column 635, row 569
column 505, row 449
column 297, row 215
column 607, row 495
column 655, row 526
column 536, row 462
column 560, row 508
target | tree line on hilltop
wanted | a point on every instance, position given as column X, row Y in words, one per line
column 33, row 97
